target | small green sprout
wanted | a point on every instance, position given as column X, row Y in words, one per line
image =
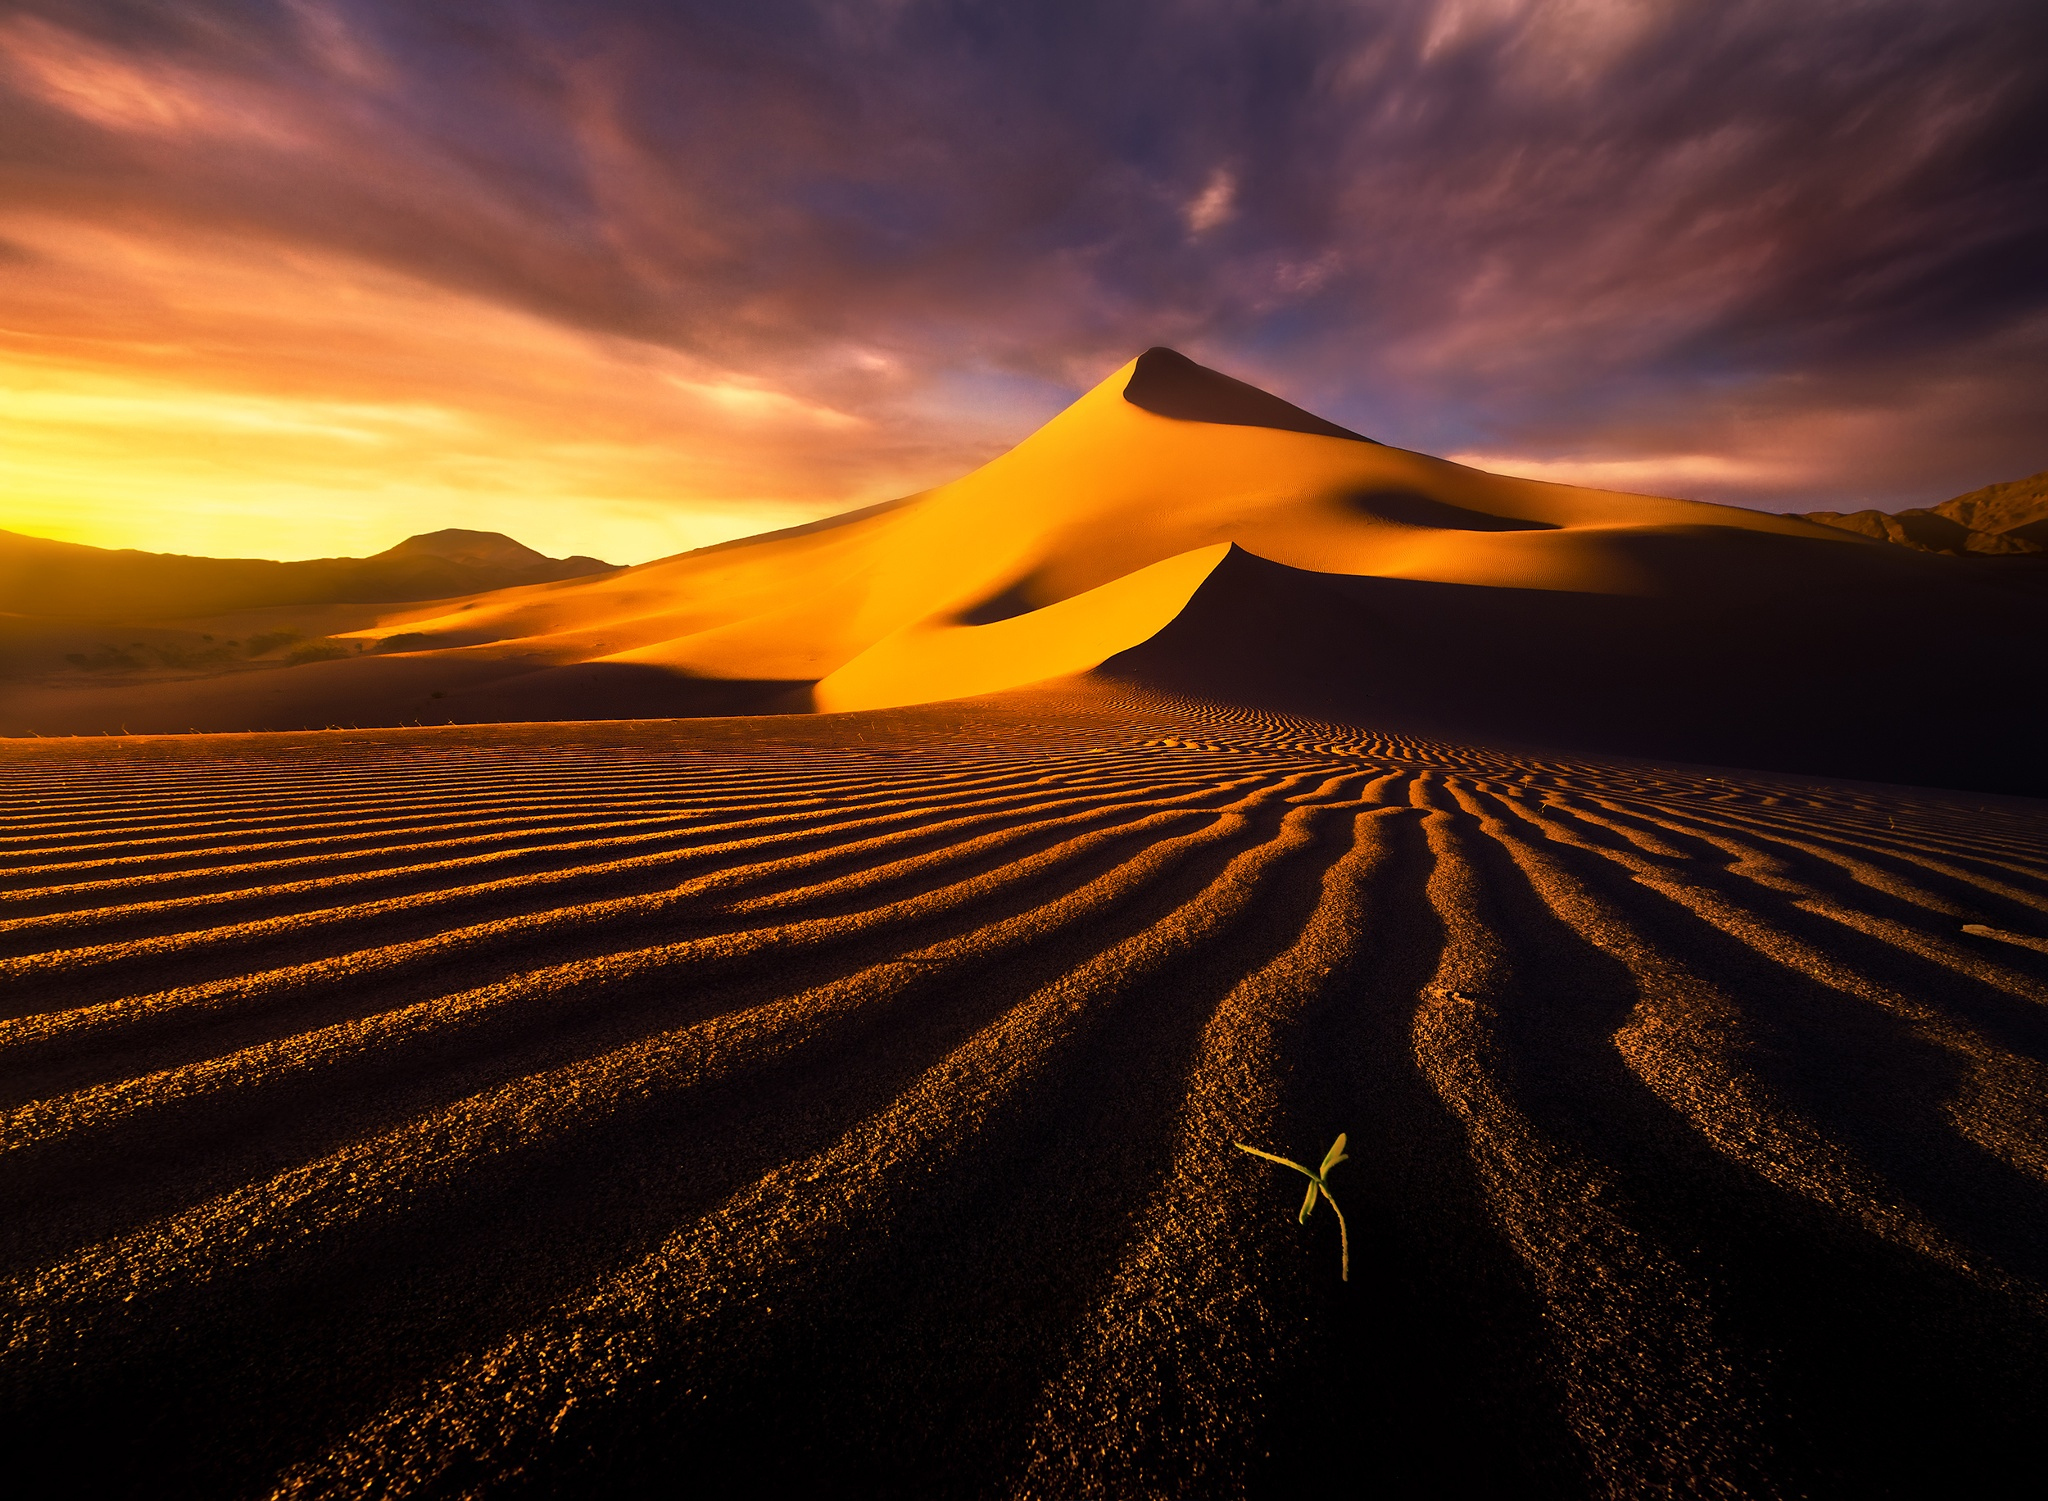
column 1317, row 1184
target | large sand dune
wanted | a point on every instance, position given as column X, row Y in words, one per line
column 616, row 1109
column 1399, row 588
column 845, row 1103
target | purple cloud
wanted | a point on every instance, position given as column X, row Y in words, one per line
column 1786, row 255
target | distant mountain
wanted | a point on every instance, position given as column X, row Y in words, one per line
column 476, row 549
column 1185, row 532
column 2009, row 519
column 68, row 580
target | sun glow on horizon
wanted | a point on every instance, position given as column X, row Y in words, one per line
column 304, row 279
column 238, row 399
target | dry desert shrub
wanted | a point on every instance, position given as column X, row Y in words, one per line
column 316, row 651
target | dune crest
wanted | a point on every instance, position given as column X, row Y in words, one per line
column 928, row 660
column 556, row 1109
column 1167, row 382
column 1056, row 557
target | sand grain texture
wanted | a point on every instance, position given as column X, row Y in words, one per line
column 847, row 1101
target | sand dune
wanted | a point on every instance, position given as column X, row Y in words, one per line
column 846, row 1102
column 849, row 1100
column 1105, row 530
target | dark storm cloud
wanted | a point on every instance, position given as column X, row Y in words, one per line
column 1801, row 242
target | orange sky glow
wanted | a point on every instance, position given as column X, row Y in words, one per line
column 245, row 400
column 304, row 278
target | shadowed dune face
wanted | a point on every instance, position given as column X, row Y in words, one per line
column 1167, row 382
column 558, row 1110
column 1106, row 490
column 1738, row 652
column 1635, row 624
column 1412, row 508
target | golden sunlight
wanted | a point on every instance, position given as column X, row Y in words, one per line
column 247, row 400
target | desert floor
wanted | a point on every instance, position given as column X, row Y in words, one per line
column 635, row 1108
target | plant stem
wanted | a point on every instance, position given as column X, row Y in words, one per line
column 1343, row 1231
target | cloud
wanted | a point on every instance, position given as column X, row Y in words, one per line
column 97, row 84
column 1795, row 248
column 1661, row 474
column 293, row 404
column 1215, row 204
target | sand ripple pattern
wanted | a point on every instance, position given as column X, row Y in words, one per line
column 848, row 1102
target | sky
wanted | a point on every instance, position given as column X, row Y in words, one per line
column 304, row 277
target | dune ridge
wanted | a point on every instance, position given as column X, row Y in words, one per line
column 526, row 1108
column 847, row 1101
column 1163, row 501
column 1189, row 533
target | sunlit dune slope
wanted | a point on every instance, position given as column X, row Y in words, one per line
column 826, row 1104
column 1104, row 490
column 1744, row 633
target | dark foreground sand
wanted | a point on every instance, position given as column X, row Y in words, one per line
column 620, row 1109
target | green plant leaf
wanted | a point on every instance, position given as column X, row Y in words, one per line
column 1317, row 1188
column 1284, row 1162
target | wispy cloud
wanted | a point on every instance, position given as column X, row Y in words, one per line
column 1215, row 204
column 784, row 256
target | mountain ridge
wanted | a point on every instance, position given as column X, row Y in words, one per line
column 2008, row 519
column 42, row 576
column 1244, row 558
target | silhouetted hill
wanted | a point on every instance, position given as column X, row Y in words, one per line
column 2009, row 519
column 67, row 579
column 1181, row 529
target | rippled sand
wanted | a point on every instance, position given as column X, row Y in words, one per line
column 616, row 1108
